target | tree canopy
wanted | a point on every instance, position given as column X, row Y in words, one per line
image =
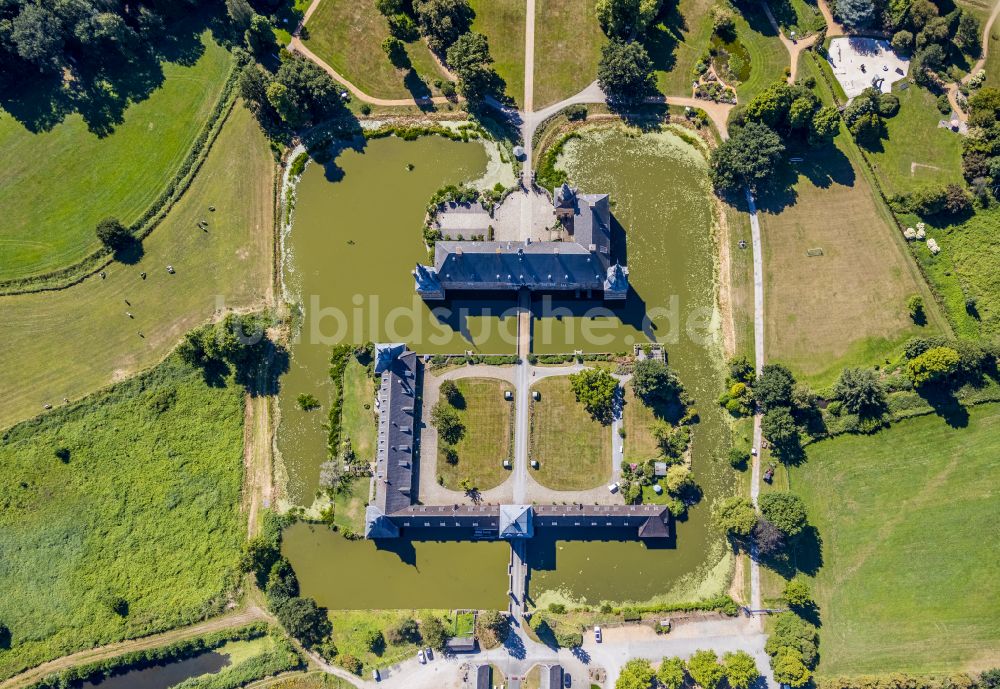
column 469, row 56
column 785, row 510
column 595, row 389
column 653, row 381
column 443, row 21
column 704, row 669
column 670, row 674
column 861, row 391
column 737, row 515
column 933, row 366
column 625, row 72
column 773, row 387
column 113, row 234
column 304, row 620
column 626, row 18
column 747, row 159
column 636, row 674
column 740, row 668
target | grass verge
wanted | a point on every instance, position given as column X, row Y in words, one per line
column 487, row 441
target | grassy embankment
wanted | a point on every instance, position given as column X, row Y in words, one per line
column 847, row 306
column 70, row 342
column 55, row 185
column 487, row 441
column 348, row 36
column 908, row 578
column 573, row 450
column 134, row 529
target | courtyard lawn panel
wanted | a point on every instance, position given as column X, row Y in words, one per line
column 487, row 441
column 70, row 342
column 349, row 505
column 573, row 450
column 146, row 509
column 358, row 420
column 348, row 35
column 908, row 581
column 637, row 418
column 502, row 21
column 568, row 42
column 56, row 185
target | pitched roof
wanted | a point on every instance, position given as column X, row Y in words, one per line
column 552, row 678
column 512, row 265
column 394, row 458
column 516, row 521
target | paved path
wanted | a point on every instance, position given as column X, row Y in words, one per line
column 758, row 338
column 521, row 398
column 833, row 27
column 529, row 57
column 980, row 63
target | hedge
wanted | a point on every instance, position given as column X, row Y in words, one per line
column 148, row 221
column 723, row 604
column 137, row 660
column 338, row 364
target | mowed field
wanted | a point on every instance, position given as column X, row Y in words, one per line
column 568, row 42
column 502, row 22
column 573, row 450
column 908, row 520
column 848, row 305
column 56, row 185
column 145, row 508
column 69, row 342
column 487, row 440
column 348, row 35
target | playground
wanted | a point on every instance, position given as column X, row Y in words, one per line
column 859, row 63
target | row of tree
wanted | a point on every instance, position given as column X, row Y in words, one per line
column 736, row 669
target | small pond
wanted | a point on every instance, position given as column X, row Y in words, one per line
column 164, row 676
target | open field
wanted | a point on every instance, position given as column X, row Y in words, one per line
column 56, row 185
column 573, row 450
column 917, row 153
column 69, row 342
column 144, row 508
column 968, row 266
column 848, row 305
column 348, row 36
column 487, row 439
column 502, row 21
column 568, row 42
column 358, row 422
column 908, row 581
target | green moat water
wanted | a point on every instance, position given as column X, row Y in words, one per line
column 357, row 232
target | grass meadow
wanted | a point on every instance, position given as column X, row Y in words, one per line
column 144, row 508
column 488, row 436
column 348, row 36
column 357, row 421
column 801, row 16
column 70, row 342
column 351, row 627
column 502, row 21
column 568, row 42
column 56, row 185
column 907, row 517
column 848, row 305
column 573, row 450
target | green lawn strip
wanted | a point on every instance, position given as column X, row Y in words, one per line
column 486, row 443
column 70, row 342
column 637, row 418
column 348, row 36
column 573, row 450
column 358, row 418
column 349, row 506
column 908, row 581
column 568, row 42
column 465, row 624
column 49, row 222
column 146, row 509
column 502, row 21
column 917, row 153
column 801, row 16
column 352, row 627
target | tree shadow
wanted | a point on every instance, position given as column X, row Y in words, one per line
column 808, row 551
column 662, row 39
column 944, row 403
column 129, row 253
column 514, row 646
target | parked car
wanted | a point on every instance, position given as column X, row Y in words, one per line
column 429, row 653
column 376, row 675
column 421, row 657
column 567, row 680
column 614, row 487
column 597, row 635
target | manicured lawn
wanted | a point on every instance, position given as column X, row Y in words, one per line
column 636, row 420
column 487, row 439
column 502, row 21
column 56, row 185
column 568, row 42
column 70, row 342
column 907, row 519
column 682, row 37
column 847, row 306
column 968, row 266
column 349, row 506
column 145, row 509
column 573, row 450
column 348, row 36
column 358, row 417
column 917, row 153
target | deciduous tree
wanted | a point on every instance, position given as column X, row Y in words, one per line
column 785, row 510
column 625, row 72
